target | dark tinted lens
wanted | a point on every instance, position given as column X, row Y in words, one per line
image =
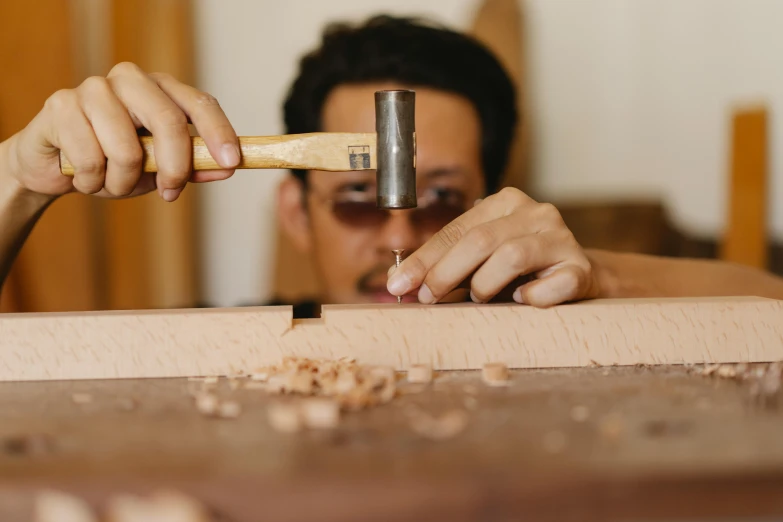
column 437, row 215
column 359, row 213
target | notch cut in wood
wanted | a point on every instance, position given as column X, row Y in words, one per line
column 196, row 342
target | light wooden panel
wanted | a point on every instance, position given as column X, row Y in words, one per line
column 448, row 336
column 745, row 240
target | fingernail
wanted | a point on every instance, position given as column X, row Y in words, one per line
column 230, row 155
column 425, row 295
column 170, row 194
column 474, row 298
column 518, row 296
column 398, row 284
column 391, row 270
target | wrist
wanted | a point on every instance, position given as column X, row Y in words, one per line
column 12, row 191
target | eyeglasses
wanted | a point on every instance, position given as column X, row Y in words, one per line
column 431, row 214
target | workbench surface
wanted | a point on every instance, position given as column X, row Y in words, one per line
column 589, row 444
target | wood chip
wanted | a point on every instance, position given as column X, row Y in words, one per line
column 210, row 380
column 447, row 426
column 229, row 409
column 207, row 403
column 321, row 413
column 161, row 506
column 710, row 369
column 727, row 371
column 495, row 374
column 81, row 398
column 420, row 373
column 284, row 418
column 55, row 506
column 580, row 413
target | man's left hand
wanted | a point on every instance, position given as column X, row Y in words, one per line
column 503, row 237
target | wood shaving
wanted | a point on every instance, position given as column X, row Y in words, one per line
column 420, row 373
column 710, row 369
column 160, row 506
column 321, row 413
column 726, row 371
column 210, row 380
column 81, row 398
column 594, row 364
column 447, row 426
column 207, row 403
column 229, row 409
column 56, row 506
column 580, row 413
column 353, row 386
column 495, row 374
column 285, row 418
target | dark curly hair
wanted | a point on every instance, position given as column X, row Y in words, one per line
column 414, row 52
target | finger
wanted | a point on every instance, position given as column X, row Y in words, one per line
column 73, row 134
column 207, row 116
column 415, row 267
column 165, row 120
column 206, row 176
column 115, row 133
column 567, row 283
column 518, row 257
column 468, row 254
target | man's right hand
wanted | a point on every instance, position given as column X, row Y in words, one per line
column 96, row 125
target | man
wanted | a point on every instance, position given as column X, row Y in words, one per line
column 497, row 245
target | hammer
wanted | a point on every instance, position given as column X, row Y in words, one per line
column 391, row 151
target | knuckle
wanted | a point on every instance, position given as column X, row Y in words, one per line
column 482, row 237
column 60, row 99
column 171, row 117
column 549, row 214
column 128, row 156
column 512, row 196
column 161, row 76
column 515, row 255
column 94, row 84
column 450, row 234
column 91, row 167
column 204, row 99
column 125, row 69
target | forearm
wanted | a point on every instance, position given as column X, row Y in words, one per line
column 19, row 211
column 637, row 275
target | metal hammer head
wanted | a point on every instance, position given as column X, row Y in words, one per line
column 396, row 148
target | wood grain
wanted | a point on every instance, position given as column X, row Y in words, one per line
column 118, row 344
column 745, row 240
column 318, row 151
column 681, row 447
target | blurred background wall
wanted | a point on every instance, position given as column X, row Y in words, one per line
column 633, row 110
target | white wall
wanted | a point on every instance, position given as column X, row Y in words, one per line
column 628, row 98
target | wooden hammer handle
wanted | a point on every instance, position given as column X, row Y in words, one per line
column 313, row 151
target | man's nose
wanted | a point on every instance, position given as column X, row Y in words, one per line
column 399, row 231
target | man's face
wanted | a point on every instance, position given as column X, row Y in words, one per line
column 350, row 240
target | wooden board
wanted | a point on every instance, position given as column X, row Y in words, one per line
column 745, row 239
column 651, row 444
column 449, row 336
